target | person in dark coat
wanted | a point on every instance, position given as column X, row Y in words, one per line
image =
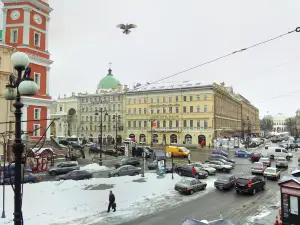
column 111, row 203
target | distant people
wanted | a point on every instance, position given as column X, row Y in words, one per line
column 112, row 204
column 133, row 148
column 189, row 158
column 193, row 171
column 84, row 141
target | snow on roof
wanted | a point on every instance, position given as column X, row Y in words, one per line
column 169, row 86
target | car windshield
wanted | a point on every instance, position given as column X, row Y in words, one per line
column 185, row 181
column 204, row 166
column 184, row 149
column 280, row 159
column 270, row 170
column 257, row 165
column 223, row 178
column 242, row 181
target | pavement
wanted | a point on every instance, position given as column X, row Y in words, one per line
column 240, row 209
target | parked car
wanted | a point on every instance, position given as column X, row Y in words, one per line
column 168, row 166
column 282, row 162
column 28, row 178
column 275, row 152
column 76, row 175
column 266, row 161
column 208, row 169
column 255, row 156
column 189, row 185
column 214, row 156
column 128, row 161
column 186, row 170
column 272, row 173
column 127, row 170
column 219, row 166
column 63, row 168
column 242, row 153
column 225, row 181
column 211, row 158
column 220, row 152
column 141, row 149
column 258, row 168
column 249, row 184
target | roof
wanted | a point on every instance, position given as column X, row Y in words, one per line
column 108, row 82
column 286, row 179
column 169, row 86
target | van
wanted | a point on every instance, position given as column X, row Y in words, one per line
column 275, row 152
column 178, row 151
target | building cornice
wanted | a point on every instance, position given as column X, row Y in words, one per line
column 36, row 101
column 38, row 3
column 39, row 60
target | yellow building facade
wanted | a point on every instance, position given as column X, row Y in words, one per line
column 184, row 113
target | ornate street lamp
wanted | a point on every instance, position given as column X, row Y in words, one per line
column 19, row 86
column 117, row 119
column 100, row 127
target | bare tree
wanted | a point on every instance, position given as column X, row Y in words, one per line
column 291, row 125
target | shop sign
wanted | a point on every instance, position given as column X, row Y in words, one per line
column 290, row 191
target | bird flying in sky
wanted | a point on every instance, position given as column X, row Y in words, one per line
column 126, row 27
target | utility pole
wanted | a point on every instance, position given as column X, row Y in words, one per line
column 100, row 127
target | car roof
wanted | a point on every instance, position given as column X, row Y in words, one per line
column 225, row 175
column 280, row 158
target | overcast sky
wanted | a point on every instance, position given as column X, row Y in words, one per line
column 173, row 35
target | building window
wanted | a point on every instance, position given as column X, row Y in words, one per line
column 37, row 39
column 205, row 108
column 140, row 124
column 198, row 108
column 134, row 124
column 145, row 123
column 170, row 109
column 177, row 109
column 129, row 101
column 164, row 110
column 184, row 98
column 60, row 108
column 157, row 111
column 205, row 124
column 184, row 123
column 91, row 118
column 198, row 97
column 37, row 79
column 158, row 124
column 145, row 111
column 37, row 129
column 140, row 101
column 191, row 98
column 164, row 99
column 14, row 35
column 129, row 111
column 119, row 107
column 198, row 124
column 176, row 98
column 134, row 111
column 129, row 123
column 82, row 110
column 157, row 100
column 191, row 109
column 87, row 118
column 134, row 101
column 164, row 123
column 82, row 118
column 145, row 100
column 151, row 100
column 191, row 123
column 205, row 97
column 170, row 124
column 140, row 110
column 152, row 111
column 177, row 123
column 170, row 99
column 114, row 107
column 91, row 109
column 184, row 109
column 37, row 113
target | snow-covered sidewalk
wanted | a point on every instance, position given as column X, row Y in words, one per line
column 85, row 202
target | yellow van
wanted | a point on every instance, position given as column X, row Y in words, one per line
column 178, row 151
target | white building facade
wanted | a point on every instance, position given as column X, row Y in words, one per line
column 279, row 123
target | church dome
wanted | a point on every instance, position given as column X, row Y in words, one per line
column 108, row 82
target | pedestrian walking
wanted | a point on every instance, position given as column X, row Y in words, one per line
column 194, row 172
column 112, row 204
column 189, row 158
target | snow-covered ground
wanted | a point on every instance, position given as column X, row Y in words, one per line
column 85, row 202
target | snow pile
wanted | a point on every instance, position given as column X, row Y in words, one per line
column 263, row 213
column 85, row 202
column 94, row 167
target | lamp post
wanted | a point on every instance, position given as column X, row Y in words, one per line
column 100, row 128
column 3, row 176
column 17, row 87
column 117, row 119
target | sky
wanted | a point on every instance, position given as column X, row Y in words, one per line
column 174, row 35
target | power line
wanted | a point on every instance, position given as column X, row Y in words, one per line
column 282, row 95
column 225, row 56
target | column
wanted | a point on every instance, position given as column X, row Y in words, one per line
column 4, row 24
column 26, row 26
column 24, row 124
column 47, row 80
column 47, row 36
column 48, row 123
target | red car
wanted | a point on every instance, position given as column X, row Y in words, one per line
column 255, row 156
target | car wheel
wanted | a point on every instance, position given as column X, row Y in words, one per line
column 179, row 173
column 254, row 191
column 135, row 173
column 263, row 187
column 116, row 175
column 224, row 170
column 271, row 156
column 197, row 176
column 191, row 192
column 288, row 158
column 52, row 173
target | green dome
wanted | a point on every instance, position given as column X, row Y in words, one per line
column 108, row 82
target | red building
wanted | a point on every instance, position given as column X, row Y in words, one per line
column 25, row 27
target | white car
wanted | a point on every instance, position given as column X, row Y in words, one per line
column 275, row 152
column 282, row 162
column 207, row 168
column 258, row 168
column 219, row 166
column 272, row 173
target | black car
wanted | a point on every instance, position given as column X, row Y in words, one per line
column 128, row 161
column 141, row 149
column 186, row 170
column 249, row 184
column 225, row 181
column 76, row 175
